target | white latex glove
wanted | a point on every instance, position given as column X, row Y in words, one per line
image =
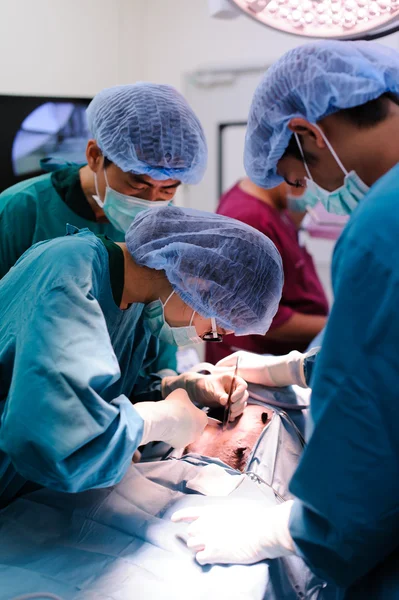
column 175, row 420
column 272, row 371
column 225, row 534
column 210, row 390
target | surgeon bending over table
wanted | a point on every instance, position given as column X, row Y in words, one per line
column 326, row 115
column 80, row 316
column 128, row 170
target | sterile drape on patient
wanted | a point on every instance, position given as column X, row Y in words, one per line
column 120, row 543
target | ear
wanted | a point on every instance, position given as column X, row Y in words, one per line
column 94, row 156
column 307, row 130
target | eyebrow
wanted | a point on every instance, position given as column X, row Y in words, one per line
column 139, row 179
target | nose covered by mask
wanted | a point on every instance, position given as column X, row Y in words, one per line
column 301, row 203
column 175, row 336
column 121, row 210
column 344, row 199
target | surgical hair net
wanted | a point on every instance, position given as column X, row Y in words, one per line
column 220, row 267
column 149, row 129
column 312, row 81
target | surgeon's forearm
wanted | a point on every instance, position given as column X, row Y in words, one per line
column 298, row 328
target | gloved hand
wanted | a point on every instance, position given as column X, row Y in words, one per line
column 237, row 533
column 210, row 390
column 175, row 420
column 273, row 371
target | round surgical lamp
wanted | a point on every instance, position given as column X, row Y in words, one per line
column 336, row 19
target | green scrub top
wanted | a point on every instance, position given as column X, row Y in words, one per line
column 39, row 209
column 70, row 359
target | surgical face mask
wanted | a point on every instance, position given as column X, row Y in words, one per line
column 175, row 336
column 344, row 199
column 121, row 210
column 301, row 203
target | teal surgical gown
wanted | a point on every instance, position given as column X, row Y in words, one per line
column 345, row 522
column 39, row 209
column 69, row 360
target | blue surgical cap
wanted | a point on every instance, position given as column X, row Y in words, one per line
column 220, row 267
column 149, row 129
column 312, row 81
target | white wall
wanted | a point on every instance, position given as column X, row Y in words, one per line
column 68, row 48
column 77, row 47
column 182, row 37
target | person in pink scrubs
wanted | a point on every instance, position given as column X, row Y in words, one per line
column 303, row 309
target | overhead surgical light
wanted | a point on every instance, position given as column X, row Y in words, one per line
column 337, row 19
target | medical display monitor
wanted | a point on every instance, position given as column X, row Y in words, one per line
column 39, row 130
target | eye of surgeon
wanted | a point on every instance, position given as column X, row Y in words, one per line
column 326, row 117
column 81, row 319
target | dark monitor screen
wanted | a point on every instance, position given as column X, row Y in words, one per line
column 36, row 128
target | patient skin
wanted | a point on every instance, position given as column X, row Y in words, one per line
column 234, row 445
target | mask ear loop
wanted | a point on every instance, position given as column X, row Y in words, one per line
column 168, row 298
column 331, row 149
column 97, row 197
column 311, row 181
column 329, row 146
column 105, row 177
column 305, row 164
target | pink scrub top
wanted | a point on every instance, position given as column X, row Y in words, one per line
column 302, row 292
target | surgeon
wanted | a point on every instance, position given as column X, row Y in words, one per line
column 326, row 115
column 146, row 141
column 81, row 316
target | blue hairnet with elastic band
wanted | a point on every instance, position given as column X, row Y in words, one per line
column 149, row 129
column 312, row 81
column 220, row 267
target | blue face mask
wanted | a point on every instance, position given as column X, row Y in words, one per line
column 344, row 199
column 175, row 336
column 121, row 210
column 301, row 203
